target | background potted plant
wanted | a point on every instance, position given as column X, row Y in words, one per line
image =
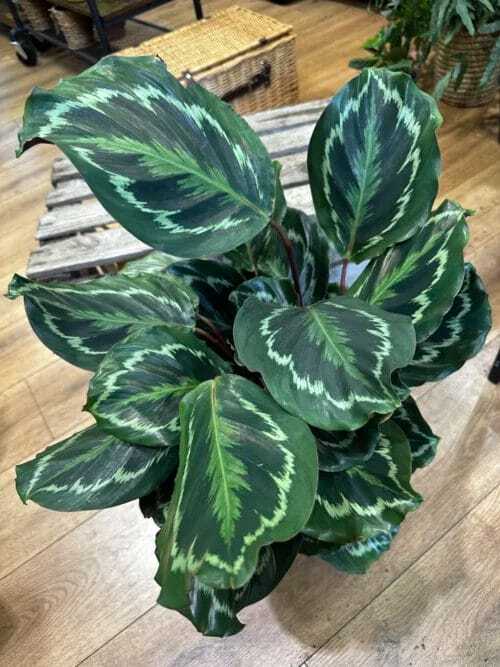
column 458, row 39
column 467, row 53
column 254, row 396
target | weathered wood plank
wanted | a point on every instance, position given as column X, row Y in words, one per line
column 84, row 251
column 108, row 245
column 72, row 218
column 68, row 192
column 442, row 611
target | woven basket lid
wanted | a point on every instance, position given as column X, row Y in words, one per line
column 211, row 42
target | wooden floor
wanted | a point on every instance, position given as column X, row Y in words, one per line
column 79, row 587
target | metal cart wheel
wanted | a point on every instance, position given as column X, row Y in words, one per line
column 41, row 44
column 25, row 48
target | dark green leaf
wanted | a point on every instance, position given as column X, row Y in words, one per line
column 213, row 610
column 339, row 450
column 174, row 165
column 423, row 443
column 459, row 337
column 329, row 363
column 357, row 503
column 266, row 254
column 354, row 557
column 267, row 290
column 92, row 470
column 136, row 391
column 374, row 162
column 420, row 277
column 212, row 281
column 247, row 477
column 154, row 262
column 81, row 321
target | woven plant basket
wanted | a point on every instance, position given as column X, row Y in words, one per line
column 76, row 28
column 241, row 56
column 476, row 51
column 36, row 13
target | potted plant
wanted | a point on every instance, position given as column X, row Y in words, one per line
column 456, row 38
column 404, row 43
column 467, row 50
column 252, row 395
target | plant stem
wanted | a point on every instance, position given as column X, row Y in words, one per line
column 288, row 246
column 251, row 258
column 343, row 276
column 217, row 342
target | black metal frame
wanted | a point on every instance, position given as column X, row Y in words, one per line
column 101, row 23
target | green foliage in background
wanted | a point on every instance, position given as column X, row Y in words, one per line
column 414, row 26
column 249, row 393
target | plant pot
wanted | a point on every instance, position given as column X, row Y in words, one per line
column 476, row 52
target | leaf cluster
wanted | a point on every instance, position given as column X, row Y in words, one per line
column 252, row 388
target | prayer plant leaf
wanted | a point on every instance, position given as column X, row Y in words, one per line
column 213, row 610
column 357, row 503
column 339, row 450
column 421, row 276
column 266, row 254
column 136, row 391
column 176, row 166
column 374, row 162
column 154, row 262
column 80, row 322
column 92, row 470
column 212, row 281
column 423, row 443
column 247, row 477
column 267, row 290
column 354, row 557
column 460, row 336
column 329, row 363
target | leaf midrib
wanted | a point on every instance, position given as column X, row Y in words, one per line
column 363, row 185
column 218, row 448
column 182, row 167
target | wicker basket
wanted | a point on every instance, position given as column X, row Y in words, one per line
column 476, row 52
column 75, row 28
column 36, row 12
column 245, row 58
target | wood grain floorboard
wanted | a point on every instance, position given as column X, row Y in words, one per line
column 79, row 587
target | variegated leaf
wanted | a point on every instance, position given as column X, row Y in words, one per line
column 81, row 321
column 459, row 337
column 212, row 281
column 374, row 162
column 136, row 391
column 267, row 290
column 339, row 450
column 247, row 477
column 92, row 470
column 423, row 443
column 154, row 262
column 353, row 557
column 213, row 611
column 266, row 255
column 420, row 277
column 330, row 363
column 176, row 166
column 357, row 503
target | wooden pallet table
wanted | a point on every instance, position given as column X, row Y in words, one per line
column 78, row 237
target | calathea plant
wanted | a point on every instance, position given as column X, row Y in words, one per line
column 251, row 394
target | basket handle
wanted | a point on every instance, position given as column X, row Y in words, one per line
column 261, row 79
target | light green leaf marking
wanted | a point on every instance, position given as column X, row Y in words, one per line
column 247, row 477
column 329, row 363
